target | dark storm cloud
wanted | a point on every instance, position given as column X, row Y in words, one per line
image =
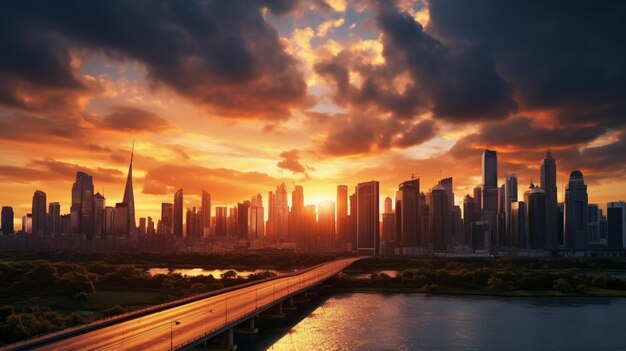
column 557, row 55
column 220, row 54
column 457, row 85
column 291, row 161
column 133, row 119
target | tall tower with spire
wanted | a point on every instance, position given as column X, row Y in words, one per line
column 129, row 196
column 548, row 183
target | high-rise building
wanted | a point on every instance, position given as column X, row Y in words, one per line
column 296, row 216
column 490, row 194
column 388, row 205
column 576, row 210
column 510, row 196
column 407, row 215
column 326, row 223
column 99, row 203
column 616, row 218
column 518, row 223
column 177, row 220
column 446, row 183
column 81, row 211
column 150, row 230
column 120, row 220
column 221, row 221
column 167, row 218
column 193, row 223
column 352, row 226
column 7, row 220
column 109, row 215
column 367, row 198
column 469, row 217
column 560, row 231
column 388, row 228
column 39, row 213
column 281, row 213
column 255, row 218
column 548, row 183
column 536, row 218
column 206, row 213
column 142, row 230
column 478, row 203
column 439, row 219
column 242, row 219
column 310, row 226
column 129, row 196
column 54, row 218
column 343, row 223
column 456, row 230
column 27, row 224
column 270, row 229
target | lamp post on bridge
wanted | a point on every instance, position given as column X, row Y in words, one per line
column 172, row 333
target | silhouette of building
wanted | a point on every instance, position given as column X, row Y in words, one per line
column 242, row 219
column 576, row 212
column 388, row 205
column 446, row 183
column 167, row 218
column 510, row 196
column 478, row 203
column 39, row 213
column 616, row 218
column 326, row 223
column 194, row 223
column 206, row 213
column 256, row 222
column 518, row 223
column 221, row 221
column 490, row 194
column 142, row 230
column 456, row 231
column 367, row 198
column 439, row 218
column 150, row 228
column 120, row 220
column 177, row 220
column 8, row 218
column 99, row 203
column 548, row 183
column 310, row 227
column 388, row 229
column 296, row 216
column 352, row 222
column 407, row 216
column 81, row 210
column 109, row 214
column 54, row 218
column 278, row 220
column 469, row 217
column 536, row 217
column 27, row 224
column 560, row 231
column 129, row 196
column 343, row 222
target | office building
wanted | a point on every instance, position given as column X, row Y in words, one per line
column 439, row 219
column 167, row 218
column 536, row 217
column 81, row 210
column 616, row 218
column 407, row 215
column 177, row 220
column 120, row 220
column 343, row 222
column 256, row 222
column 367, row 219
column 99, row 203
column 490, row 194
column 548, row 183
column 469, row 217
column 206, row 213
column 40, row 217
column 221, row 222
column 129, row 196
column 576, row 212
column 326, row 223
column 510, row 196
column 7, row 220
column 54, row 218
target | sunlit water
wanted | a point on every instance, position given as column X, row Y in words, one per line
column 421, row 322
column 216, row 273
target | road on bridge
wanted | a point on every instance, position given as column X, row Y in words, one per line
column 174, row 327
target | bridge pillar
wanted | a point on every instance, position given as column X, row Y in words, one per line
column 288, row 305
column 223, row 342
column 250, row 330
column 275, row 312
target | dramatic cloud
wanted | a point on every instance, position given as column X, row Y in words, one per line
column 291, row 161
column 50, row 169
column 220, row 54
column 133, row 120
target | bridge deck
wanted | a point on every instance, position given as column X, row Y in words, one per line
column 179, row 326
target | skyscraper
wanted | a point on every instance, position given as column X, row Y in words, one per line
column 326, row 223
column 167, row 218
column 548, row 183
column 120, row 220
column 343, row 223
column 221, row 221
column 54, row 218
column 490, row 194
column 255, row 218
column 388, row 205
column 296, row 217
column 109, row 214
column 39, row 213
column 206, row 213
column 98, row 215
column 129, row 196
column 616, row 217
column 367, row 220
column 7, row 220
column 518, row 223
column 536, row 218
column 352, row 226
column 439, row 218
column 81, row 211
column 576, row 218
column 510, row 196
column 407, row 215
column 469, row 217
column 242, row 219
column 177, row 221
column 448, row 185
column 281, row 213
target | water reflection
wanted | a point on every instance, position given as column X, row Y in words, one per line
column 417, row 321
column 216, row 273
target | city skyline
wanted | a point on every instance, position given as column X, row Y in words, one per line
column 96, row 92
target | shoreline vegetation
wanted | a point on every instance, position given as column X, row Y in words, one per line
column 42, row 292
column 495, row 277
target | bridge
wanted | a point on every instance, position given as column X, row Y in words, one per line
column 185, row 325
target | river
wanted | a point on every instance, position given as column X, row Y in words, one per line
column 425, row 322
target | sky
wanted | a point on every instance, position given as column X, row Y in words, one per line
column 235, row 96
